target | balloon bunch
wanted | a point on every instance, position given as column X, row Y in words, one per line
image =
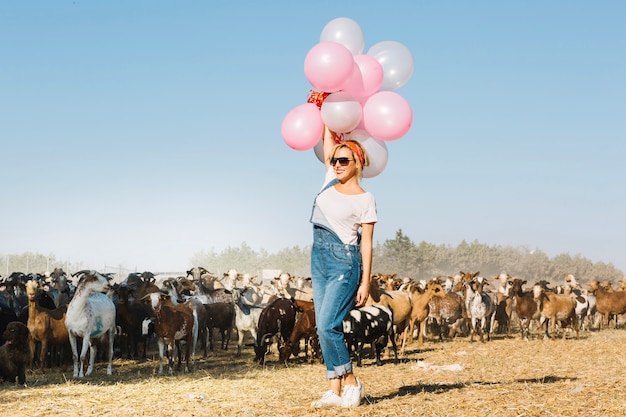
column 353, row 95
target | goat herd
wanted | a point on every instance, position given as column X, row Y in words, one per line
column 43, row 317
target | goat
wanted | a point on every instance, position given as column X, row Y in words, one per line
column 370, row 324
column 303, row 289
column 130, row 318
column 555, row 307
column 398, row 302
column 13, row 300
column 59, row 281
column 278, row 318
column 304, row 328
column 525, row 306
column 222, row 317
column 503, row 304
column 608, row 302
column 246, row 318
column 480, row 307
column 208, row 286
column 45, row 326
column 282, row 286
column 447, row 312
column 420, row 308
column 91, row 316
column 174, row 324
column 582, row 305
column 199, row 312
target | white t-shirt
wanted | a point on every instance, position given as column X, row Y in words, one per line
column 343, row 213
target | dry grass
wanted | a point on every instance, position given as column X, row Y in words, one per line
column 504, row 377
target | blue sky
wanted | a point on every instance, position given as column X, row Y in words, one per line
column 139, row 133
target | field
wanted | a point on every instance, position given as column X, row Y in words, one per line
column 504, row 377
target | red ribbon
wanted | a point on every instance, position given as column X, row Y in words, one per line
column 357, row 151
column 317, row 97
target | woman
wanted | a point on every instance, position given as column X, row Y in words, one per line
column 341, row 261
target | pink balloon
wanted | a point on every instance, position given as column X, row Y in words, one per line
column 328, row 65
column 354, row 83
column 302, row 127
column 387, row 115
column 371, row 74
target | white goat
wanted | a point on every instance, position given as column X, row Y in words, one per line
column 480, row 307
column 90, row 316
column 246, row 318
column 230, row 279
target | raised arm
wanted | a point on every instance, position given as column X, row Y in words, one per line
column 329, row 144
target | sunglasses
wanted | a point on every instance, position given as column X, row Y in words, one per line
column 342, row 161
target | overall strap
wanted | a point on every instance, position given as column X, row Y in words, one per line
column 327, row 186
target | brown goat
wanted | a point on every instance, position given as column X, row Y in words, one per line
column 222, row 317
column 174, row 323
column 608, row 302
column 304, row 328
column 525, row 306
column 398, row 302
column 447, row 312
column 420, row 308
column 555, row 307
column 45, row 326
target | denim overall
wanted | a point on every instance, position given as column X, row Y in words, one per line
column 336, row 275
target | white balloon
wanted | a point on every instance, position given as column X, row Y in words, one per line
column 377, row 154
column 319, row 150
column 397, row 63
column 345, row 31
column 341, row 112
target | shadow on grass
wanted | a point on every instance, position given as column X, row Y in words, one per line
column 217, row 365
column 548, row 379
column 445, row 388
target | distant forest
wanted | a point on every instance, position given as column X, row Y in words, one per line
column 398, row 256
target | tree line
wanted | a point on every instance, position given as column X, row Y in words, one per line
column 399, row 256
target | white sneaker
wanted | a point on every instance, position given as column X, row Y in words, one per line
column 329, row 399
column 352, row 394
